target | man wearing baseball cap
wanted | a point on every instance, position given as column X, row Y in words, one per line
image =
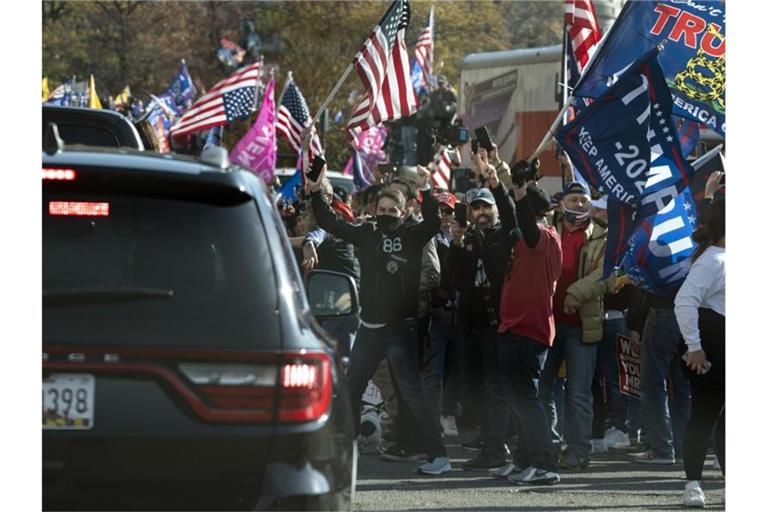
column 579, row 316
column 478, row 261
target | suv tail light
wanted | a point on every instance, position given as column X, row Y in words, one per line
column 304, row 387
column 248, row 388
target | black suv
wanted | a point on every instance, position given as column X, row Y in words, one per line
column 92, row 127
column 183, row 367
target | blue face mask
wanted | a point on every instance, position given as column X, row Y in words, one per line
column 578, row 219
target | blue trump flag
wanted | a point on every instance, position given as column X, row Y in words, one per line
column 657, row 257
column 693, row 60
column 625, row 143
column 417, row 79
column 688, row 134
column 181, row 92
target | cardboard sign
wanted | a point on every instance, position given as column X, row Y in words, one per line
column 629, row 366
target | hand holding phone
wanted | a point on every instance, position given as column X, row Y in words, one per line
column 461, row 214
column 317, row 167
column 483, row 138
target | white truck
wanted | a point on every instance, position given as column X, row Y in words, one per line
column 515, row 93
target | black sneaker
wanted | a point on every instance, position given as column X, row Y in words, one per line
column 395, row 453
column 485, row 461
column 476, row 444
column 568, row 462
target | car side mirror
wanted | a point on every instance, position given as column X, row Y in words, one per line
column 331, row 294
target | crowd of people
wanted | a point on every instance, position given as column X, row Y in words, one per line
column 489, row 310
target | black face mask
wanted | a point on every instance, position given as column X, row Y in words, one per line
column 388, row 223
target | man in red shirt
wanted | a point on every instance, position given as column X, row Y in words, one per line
column 526, row 331
column 579, row 317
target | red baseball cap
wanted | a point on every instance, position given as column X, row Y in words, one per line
column 447, row 199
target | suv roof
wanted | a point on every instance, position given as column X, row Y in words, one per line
column 92, row 127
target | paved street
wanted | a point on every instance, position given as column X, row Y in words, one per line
column 612, row 482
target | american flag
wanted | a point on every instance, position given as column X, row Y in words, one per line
column 425, row 47
column 583, row 32
column 382, row 65
column 441, row 176
column 230, row 99
column 293, row 116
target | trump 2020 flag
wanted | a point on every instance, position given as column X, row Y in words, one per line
column 182, row 90
column 658, row 253
column 693, row 60
column 625, row 142
column 257, row 150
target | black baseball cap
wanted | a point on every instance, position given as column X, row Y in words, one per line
column 574, row 187
column 539, row 199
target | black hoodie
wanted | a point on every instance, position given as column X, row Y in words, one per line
column 390, row 263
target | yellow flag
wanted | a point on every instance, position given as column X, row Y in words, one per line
column 93, row 98
column 46, row 92
column 123, row 97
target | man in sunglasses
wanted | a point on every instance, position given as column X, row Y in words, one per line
column 478, row 259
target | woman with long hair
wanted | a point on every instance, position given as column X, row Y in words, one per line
column 700, row 312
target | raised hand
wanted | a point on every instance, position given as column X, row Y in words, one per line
column 423, row 176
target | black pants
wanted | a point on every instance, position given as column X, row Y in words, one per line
column 707, row 411
column 521, row 361
column 707, row 399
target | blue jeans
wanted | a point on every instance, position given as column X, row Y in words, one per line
column 453, row 374
column 433, row 368
column 608, row 359
column 661, row 359
column 580, row 361
column 343, row 330
column 398, row 342
column 521, row 361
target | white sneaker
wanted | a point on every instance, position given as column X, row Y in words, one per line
column 436, row 466
column 694, row 496
column 648, row 457
column 505, row 471
column 534, row 476
column 615, row 438
column 599, row 446
column 449, row 426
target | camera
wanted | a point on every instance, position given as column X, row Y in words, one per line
column 453, row 134
column 522, row 171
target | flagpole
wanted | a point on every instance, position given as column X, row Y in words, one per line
column 259, row 85
column 332, row 94
column 551, row 132
column 564, row 82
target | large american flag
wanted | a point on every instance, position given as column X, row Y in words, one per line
column 382, row 65
column 230, row 99
column 293, row 116
column 425, row 47
column 441, row 175
column 583, row 32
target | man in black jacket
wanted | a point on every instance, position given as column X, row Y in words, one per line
column 390, row 254
column 478, row 257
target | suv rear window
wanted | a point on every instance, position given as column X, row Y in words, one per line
column 157, row 271
column 87, row 135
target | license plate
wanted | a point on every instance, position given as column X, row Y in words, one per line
column 68, row 401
